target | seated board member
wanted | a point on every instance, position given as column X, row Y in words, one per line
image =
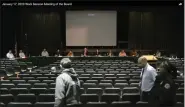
column 10, row 55
column 110, row 53
column 45, row 53
column 133, row 53
column 70, row 54
column 21, row 54
column 58, row 53
column 85, row 52
column 97, row 53
column 158, row 53
column 122, row 53
column 67, row 90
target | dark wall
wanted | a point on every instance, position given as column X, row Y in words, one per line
column 137, row 27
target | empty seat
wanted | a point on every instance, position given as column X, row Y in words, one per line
column 36, row 75
column 130, row 90
column 109, row 75
column 42, row 78
column 121, row 81
column 40, row 85
column 33, row 81
column 84, row 98
column 113, row 72
column 105, row 85
column 97, row 78
column 24, row 75
column 8, row 86
column 46, row 98
column 6, row 98
column 84, row 78
column 5, row 81
column 51, row 90
column 4, row 91
column 133, row 97
column 18, row 81
column 113, row 90
column 97, row 75
column 180, row 90
column 92, row 81
column 95, row 104
column 106, row 81
column 19, row 104
column 110, row 78
column 134, row 85
column 89, row 85
column 15, row 91
column 85, row 75
column 121, row 85
column 121, row 104
column 26, row 98
column 180, row 97
column 37, row 91
column 52, row 85
column 12, row 78
column 24, row 85
column 28, row 78
column 2, row 104
column 49, row 75
column 44, row 104
column 134, row 80
column 97, row 91
column 110, row 97
column 142, row 104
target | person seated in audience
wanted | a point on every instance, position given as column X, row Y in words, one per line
column 21, row 54
column 133, row 53
column 110, row 53
column 10, row 55
column 45, row 53
column 122, row 53
column 67, row 90
column 85, row 52
column 158, row 53
column 58, row 53
column 70, row 53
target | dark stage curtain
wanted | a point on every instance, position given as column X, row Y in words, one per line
column 43, row 31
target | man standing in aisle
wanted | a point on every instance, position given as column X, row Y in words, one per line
column 148, row 75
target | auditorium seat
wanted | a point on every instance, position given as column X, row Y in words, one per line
column 16, row 91
column 113, row 90
column 4, row 91
column 28, row 78
column 179, row 104
column 5, row 81
column 48, row 81
column 130, row 90
column 2, row 104
column 13, row 78
column 142, row 104
column 180, row 90
column 44, row 104
column 95, row 104
column 113, row 72
column 133, row 97
column 42, row 78
column 106, row 81
column 24, row 85
column 105, row 85
column 51, row 91
column 97, row 78
column 97, row 75
column 121, row 104
column 49, row 75
column 26, row 98
column 40, row 85
column 33, row 81
column 18, row 81
column 19, row 104
column 97, row 91
column 124, row 72
column 84, row 78
column 110, row 78
column 121, row 75
column 121, row 85
column 89, row 85
column 180, row 97
column 123, row 78
column 8, row 86
column 134, row 80
column 46, row 98
column 110, row 97
column 38, row 91
column 36, row 75
column 92, row 81
column 52, row 85
column 90, row 72
column 84, row 98
column 134, row 85
column 85, row 75
column 6, row 98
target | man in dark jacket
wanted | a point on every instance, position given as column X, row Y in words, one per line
column 164, row 90
column 67, row 86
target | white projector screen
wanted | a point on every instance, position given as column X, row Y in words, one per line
column 91, row 28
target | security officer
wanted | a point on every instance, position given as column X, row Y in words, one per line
column 164, row 90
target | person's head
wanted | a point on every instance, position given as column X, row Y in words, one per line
column 20, row 51
column 65, row 63
column 142, row 61
column 44, row 49
column 58, row 50
column 122, row 51
column 10, row 51
column 166, row 66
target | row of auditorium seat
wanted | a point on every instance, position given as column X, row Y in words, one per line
column 84, row 98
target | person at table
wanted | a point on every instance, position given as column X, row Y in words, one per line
column 110, row 53
column 158, row 53
column 133, row 53
column 97, row 52
column 45, row 53
column 85, row 52
column 10, row 55
column 21, row 54
column 122, row 53
column 58, row 53
column 70, row 54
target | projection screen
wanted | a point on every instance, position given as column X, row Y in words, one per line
column 91, row 28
